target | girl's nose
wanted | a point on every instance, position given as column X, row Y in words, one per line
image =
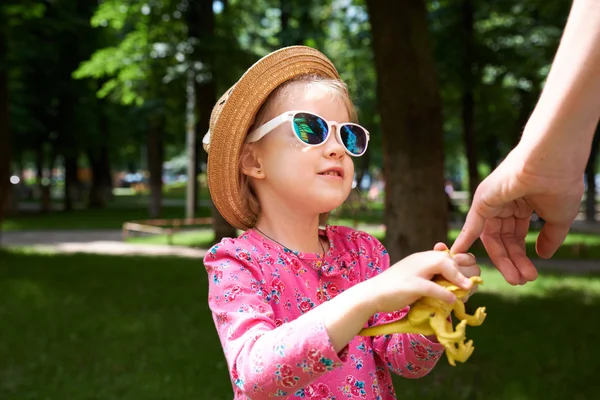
column 333, row 148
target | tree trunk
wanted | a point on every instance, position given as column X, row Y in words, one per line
column 285, row 36
column 528, row 100
column 5, row 185
column 411, row 123
column 101, row 182
column 200, row 22
column 492, row 151
column 155, row 164
column 43, row 182
column 468, row 102
column 192, row 182
column 101, row 189
column 590, row 174
column 71, row 182
column 305, row 29
column 206, row 96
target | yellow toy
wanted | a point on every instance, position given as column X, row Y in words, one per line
column 429, row 316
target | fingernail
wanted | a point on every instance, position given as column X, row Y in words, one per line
column 472, row 255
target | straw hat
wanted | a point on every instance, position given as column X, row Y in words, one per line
column 233, row 115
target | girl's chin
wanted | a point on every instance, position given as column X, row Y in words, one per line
column 329, row 206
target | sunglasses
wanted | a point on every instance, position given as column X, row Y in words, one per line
column 313, row 130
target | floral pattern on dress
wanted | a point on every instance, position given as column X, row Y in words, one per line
column 264, row 301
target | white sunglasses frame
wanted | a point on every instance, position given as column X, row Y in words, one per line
column 269, row 126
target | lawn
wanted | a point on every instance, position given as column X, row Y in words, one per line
column 584, row 246
column 109, row 218
column 127, row 207
column 100, row 327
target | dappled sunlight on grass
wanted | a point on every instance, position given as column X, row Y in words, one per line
column 110, row 218
column 134, row 328
column 117, row 327
column 547, row 285
column 201, row 239
column 577, row 245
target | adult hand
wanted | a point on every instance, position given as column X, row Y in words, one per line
column 502, row 208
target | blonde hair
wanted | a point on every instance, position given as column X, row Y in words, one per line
column 266, row 112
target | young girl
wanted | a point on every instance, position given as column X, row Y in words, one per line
column 288, row 298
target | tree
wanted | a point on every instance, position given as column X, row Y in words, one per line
column 411, row 123
column 468, row 94
column 5, row 185
column 12, row 14
column 202, row 29
column 590, row 176
column 150, row 40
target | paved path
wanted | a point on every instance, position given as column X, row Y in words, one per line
column 55, row 237
column 93, row 241
column 110, row 242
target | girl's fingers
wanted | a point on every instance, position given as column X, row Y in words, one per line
column 440, row 247
column 465, row 259
column 450, row 270
column 431, row 289
column 470, row 270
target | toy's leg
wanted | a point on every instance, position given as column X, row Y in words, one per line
column 473, row 320
column 460, row 353
column 443, row 329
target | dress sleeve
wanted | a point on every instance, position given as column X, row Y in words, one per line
column 409, row 355
column 264, row 359
column 406, row 354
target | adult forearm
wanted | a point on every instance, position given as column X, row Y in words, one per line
column 562, row 125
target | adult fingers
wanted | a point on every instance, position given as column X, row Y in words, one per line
column 497, row 252
column 514, row 232
column 470, row 231
column 551, row 238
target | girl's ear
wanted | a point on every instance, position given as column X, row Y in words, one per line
column 250, row 164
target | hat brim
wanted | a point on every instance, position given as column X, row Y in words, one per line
column 237, row 115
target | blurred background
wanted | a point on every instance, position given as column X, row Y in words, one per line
column 105, row 214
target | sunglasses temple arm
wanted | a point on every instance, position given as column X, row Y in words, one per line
column 259, row 133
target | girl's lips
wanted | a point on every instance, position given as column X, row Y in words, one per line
column 334, row 172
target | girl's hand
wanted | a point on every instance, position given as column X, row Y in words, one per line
column 410, row 279
column 467, row 265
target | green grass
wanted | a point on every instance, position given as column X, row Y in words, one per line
column 201, row 239
column 577, row 245
column 109, row 218
column 103, row 327
column 178, row 190
column 585, row 246
column 126, row 206
column 538, row 342
column 89, row 327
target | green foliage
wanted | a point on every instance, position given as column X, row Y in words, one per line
column 17, row 12
column 132, row 56
column 513, row 46
column 149, row 40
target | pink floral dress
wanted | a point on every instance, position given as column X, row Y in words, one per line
column 260, row 296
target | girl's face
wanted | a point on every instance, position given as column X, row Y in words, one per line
column 298, row 178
